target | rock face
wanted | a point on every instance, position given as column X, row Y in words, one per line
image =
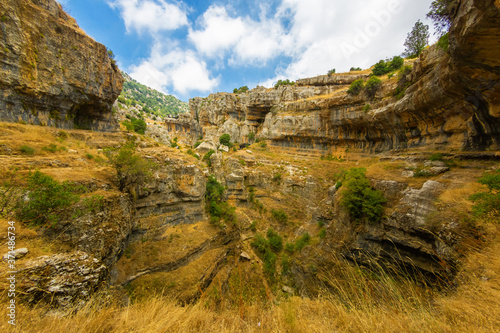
column 453, row 101
column 51, row 72
column 61, row 280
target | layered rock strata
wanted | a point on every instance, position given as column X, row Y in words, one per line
column 51, row 72
column 452, row 101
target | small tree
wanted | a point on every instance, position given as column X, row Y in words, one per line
column 225, row 139
column 331, row 71
column 130, row 167
column 442, row 12
column 416, row 40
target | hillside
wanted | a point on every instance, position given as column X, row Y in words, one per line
column 152, row 103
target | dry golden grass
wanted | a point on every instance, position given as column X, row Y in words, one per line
column 473, row 307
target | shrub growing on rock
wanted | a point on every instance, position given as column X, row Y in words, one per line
column 356, row 87
column 361, row 201
column 372, row 85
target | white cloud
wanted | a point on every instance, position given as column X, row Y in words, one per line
column 150, row 15
column 177, row 68
column 220, row 32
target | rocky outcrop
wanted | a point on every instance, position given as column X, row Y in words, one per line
column 51, row 72
column 403, row 238
column 452, row 101
column 61, row 280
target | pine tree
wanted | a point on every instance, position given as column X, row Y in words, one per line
column 416, row 40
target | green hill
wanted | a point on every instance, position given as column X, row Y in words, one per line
column 151, row 101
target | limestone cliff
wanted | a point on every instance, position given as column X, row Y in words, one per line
column 452, row 101
column 51, row 72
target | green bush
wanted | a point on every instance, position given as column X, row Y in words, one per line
column 197, row 144
column 366, row 108
column 361, row 201
column 380, row 68
column 216, row 207
column 206, row 157
column 260, row 244
column 240, row 90
column 277, row 177
column 279, row 215
column 52, row 148
column 355, row 69
column 27, row 150
column 331, row 71
column 284, row 83
column 444, row 42
column 356, row 87
column 372, row 85
column 302, row 241
column 225, row 139
column 436, row 157
column 131, row 168
column 396, row 63
column 251, row 136
column 137, row 125
column 275, row 240
column 46, row 199
column 487, row 204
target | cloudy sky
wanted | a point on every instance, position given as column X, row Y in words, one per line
column 193, row 48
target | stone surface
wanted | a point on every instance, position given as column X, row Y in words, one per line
column 61, row 280
column 51, row 72
column 16, row 254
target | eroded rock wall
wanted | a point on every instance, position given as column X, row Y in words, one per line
column 51, row 72
column 452, row 102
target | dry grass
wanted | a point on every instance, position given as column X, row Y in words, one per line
column 473, row 307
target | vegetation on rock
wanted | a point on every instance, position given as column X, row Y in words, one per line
column 416, row 40
column 359, row 198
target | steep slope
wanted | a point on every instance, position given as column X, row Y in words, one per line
column 151, row 102
column 51, row 72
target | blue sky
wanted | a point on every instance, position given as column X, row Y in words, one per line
column 194, row 48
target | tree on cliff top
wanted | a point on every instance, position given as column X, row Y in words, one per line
column 416, row 40
column 442, row 12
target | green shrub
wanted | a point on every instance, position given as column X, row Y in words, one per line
column 331, row 71
column 251, row 136
column 436, row 157
column 356, row 87
column 206, row 157
column 225, row 139
column 396, row 63
column 322, row 233
column 361, row 201
column 260, row 244
column 46, row 199
column 380, row 68
column 285, row 265
column 131, row 168
column 284, row 83
column 366, row 108
column 302, row 241
column 263, row 144
column 27, row 150
column 279, row 215
column 355, row 69
column 137, row 125
column 275, row 240
column 240, row 90
column 487, row 204
column 253, row 226
column 52, row 148
column 89, row 156
column 372, row 85
column 277, row 177
column 216, row 207
column 290, row 247
column 444, row 42
column 197, row 144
